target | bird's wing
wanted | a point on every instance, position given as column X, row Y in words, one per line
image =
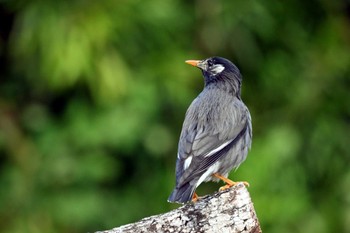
column 203, row 142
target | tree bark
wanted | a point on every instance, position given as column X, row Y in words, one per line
column 230, row 210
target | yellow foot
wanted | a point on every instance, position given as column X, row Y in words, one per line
column 222, row 188
column 229, row 183
column 195, row 197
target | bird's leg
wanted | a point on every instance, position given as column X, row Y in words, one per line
column 195, row 197
column 229, row 183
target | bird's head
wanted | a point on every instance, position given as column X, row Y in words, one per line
column 218, row 70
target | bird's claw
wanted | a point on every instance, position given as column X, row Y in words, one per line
column 233, row 183
column 225, row 187
column 195, row 197
column 229, row 183
column 245, row 183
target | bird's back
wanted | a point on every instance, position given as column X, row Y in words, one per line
column 212, row 121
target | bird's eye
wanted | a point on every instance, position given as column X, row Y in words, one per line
column 210, row 63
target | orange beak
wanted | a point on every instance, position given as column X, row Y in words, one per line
column 193, row 62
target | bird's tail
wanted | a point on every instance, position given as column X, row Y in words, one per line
column 182, row 194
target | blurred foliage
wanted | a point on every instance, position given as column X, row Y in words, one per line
column 93, row 95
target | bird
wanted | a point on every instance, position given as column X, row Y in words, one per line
column 217, row 131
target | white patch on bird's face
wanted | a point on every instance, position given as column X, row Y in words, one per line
column 217, row 69
column 187, row 162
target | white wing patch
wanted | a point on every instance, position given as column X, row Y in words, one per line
column 218, row 148
column 217, row 69
column 187, row 162
column 211, row 170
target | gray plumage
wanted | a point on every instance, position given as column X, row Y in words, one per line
column 216, row 132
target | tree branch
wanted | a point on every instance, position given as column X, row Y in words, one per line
column 230, row 210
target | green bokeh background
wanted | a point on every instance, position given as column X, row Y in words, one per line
column 93, row 95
